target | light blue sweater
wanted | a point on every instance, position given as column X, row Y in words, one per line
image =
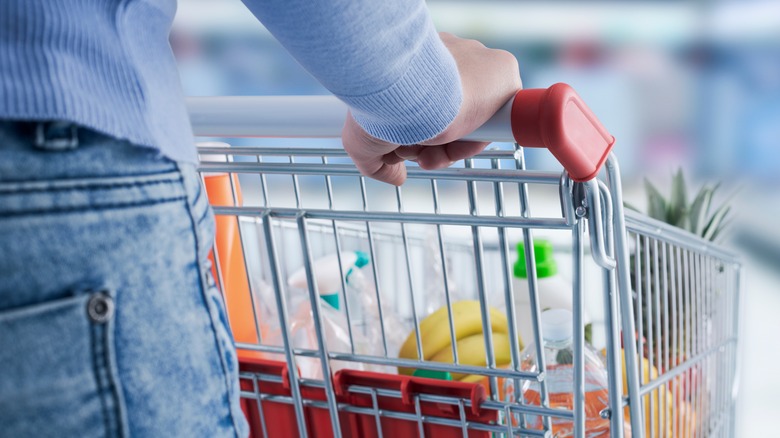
column 107, row 64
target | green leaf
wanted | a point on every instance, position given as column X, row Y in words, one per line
column 678, row 202
column 719, row 231
column 709, row 232
column 709, row 201
column 656, row 204
column 704, row 197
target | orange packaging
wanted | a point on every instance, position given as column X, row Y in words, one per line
column 235, row 283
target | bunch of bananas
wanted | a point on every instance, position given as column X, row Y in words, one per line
column 469, row 338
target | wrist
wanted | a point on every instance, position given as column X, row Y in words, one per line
column 420, row 105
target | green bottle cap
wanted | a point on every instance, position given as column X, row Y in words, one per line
column 433, row 374
column 362, row 259
column 545, row 262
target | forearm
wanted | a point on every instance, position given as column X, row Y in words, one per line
column 384, row 59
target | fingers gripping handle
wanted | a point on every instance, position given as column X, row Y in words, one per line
column 556, row 118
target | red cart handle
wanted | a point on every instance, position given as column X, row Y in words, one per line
column 556, row 118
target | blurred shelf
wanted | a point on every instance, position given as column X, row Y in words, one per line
column 659, row 22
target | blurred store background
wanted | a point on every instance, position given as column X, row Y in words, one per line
column 691, row 84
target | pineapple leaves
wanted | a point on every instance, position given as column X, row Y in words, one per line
column 656, row 204
column 723, row 225
column 677, row 209
column 713, row 227
column 696, row 217
column 699, row 208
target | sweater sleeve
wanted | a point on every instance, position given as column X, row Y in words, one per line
column 382, row 58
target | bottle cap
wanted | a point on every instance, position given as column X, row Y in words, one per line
column 326, row 274
column 332, row 299
column 543, row 254
column 361, row 260
column 557, row 324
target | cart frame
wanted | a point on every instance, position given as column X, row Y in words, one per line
column 591, row 210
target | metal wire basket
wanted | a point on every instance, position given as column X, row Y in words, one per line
column 444, row 237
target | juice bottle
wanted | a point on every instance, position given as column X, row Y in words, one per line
column 559, row 362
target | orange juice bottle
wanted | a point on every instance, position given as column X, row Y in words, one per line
column 559, row 361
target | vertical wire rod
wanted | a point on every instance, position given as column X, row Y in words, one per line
column 259, row 405
column 234, row 191
column 626, row 302
column 487, row 331
column 498, row 193
column 648, row 341
column 579, row 332
column 530, row 263
column 737, row 362
column 342, row 277
column 317, row 320
column 372, row 251
column 377, row 418
column 408, row 260
column 612, row 329
column 442, row 255
column 281, row 309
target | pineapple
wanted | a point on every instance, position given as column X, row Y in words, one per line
column 699, row 217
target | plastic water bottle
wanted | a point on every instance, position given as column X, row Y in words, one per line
column 363, row 321
column 559, row 363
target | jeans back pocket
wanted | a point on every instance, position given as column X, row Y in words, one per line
column 77, row 396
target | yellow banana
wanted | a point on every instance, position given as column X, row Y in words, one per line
column 471, row 351
column 435, row 329
column 677, row 418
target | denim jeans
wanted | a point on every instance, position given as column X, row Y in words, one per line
column 110, row 323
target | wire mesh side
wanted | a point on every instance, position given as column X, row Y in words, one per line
column 443, row 238
column 686, row 335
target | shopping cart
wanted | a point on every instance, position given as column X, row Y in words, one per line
column 670, row 299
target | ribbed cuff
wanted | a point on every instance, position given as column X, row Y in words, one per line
column 420, row 105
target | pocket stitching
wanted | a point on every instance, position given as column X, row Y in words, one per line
column 87, row 186
column 99, row 207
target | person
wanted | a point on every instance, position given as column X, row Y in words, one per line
column 110, row 323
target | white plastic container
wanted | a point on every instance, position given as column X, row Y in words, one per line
column 363, row 313
column 554, row 291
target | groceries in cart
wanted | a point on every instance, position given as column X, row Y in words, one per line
column 363, row 336
column 436, row 339
column 666, row 412
column 559, row 367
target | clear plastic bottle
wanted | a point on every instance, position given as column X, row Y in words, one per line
column 559, row 363
column 363, row 320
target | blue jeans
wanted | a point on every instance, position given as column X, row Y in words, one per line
column 110, row 323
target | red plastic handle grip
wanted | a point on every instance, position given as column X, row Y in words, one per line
column 556, row 118
column 411, row 386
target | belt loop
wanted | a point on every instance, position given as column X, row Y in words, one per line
column 56, row 136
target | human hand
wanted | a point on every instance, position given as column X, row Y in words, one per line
column 489, row 78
